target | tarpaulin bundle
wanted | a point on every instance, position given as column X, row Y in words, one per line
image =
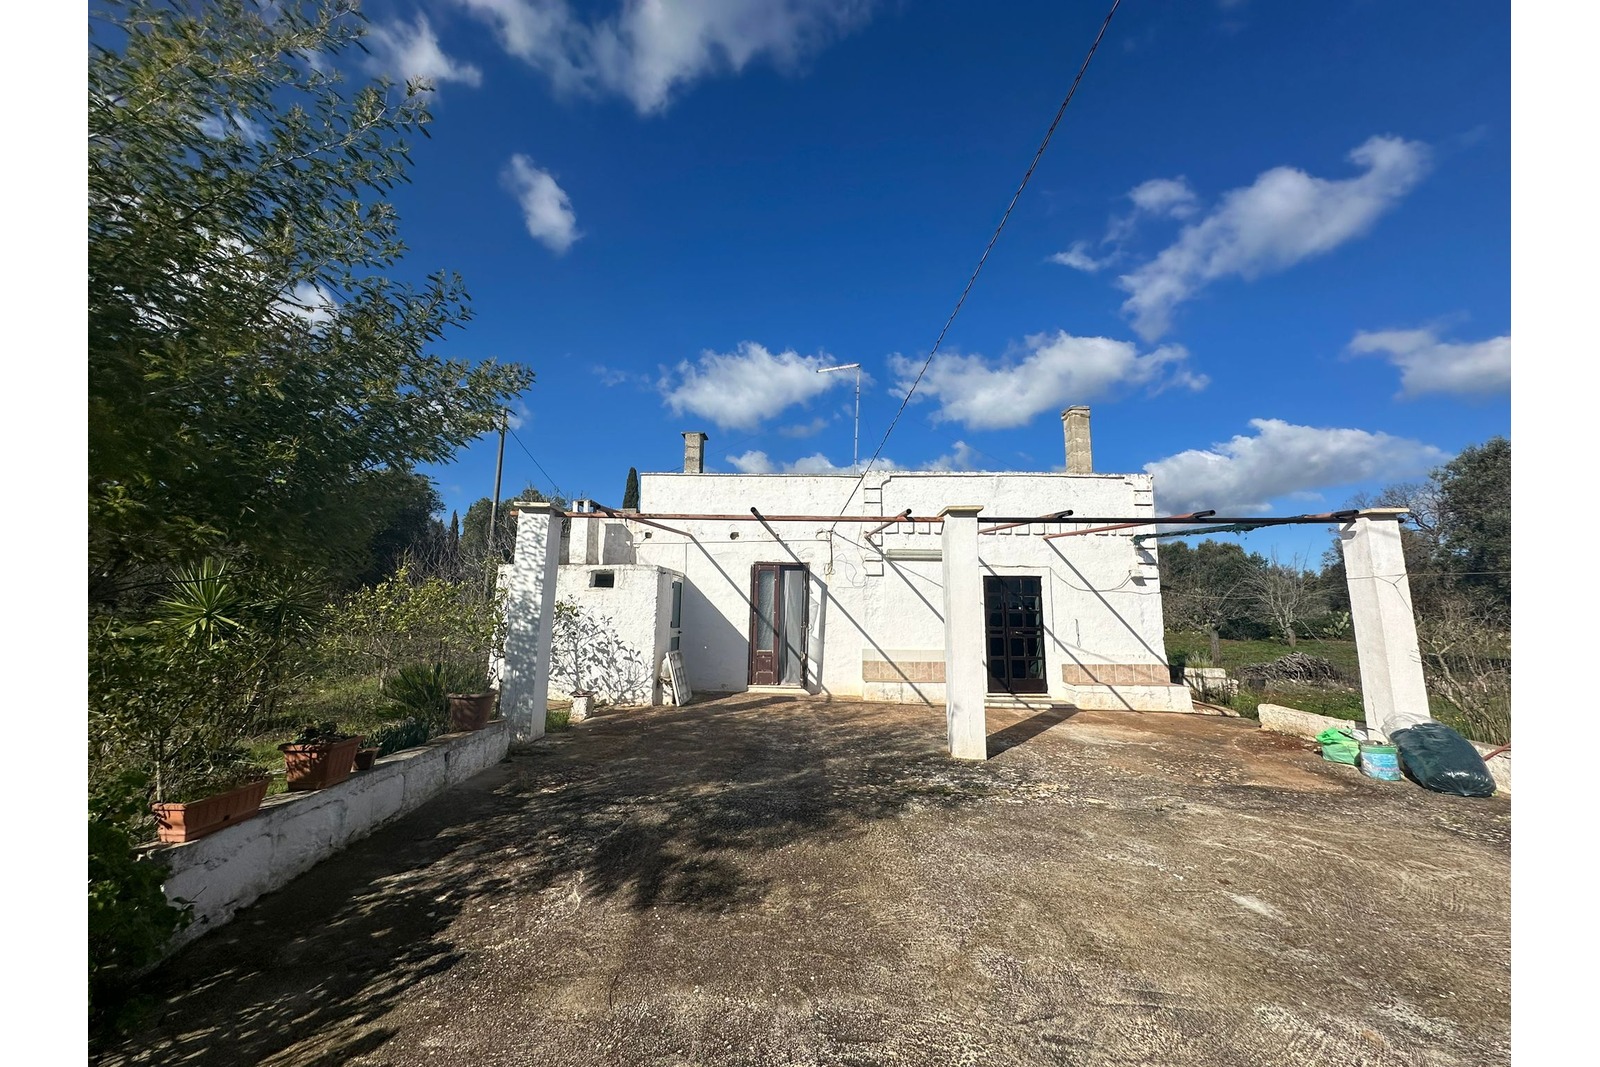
column 1438, row 758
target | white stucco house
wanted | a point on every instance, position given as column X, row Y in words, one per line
column 808, row 584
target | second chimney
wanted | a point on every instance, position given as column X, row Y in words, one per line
column 694, row 452
column 1075, row 428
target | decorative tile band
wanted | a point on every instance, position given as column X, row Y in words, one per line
column 879, row 670
column 1116, row 674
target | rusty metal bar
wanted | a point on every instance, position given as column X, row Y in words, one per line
column 614, row 513
column 627, row 517
column 904, row 516
column 1191, row 517
column 1052, row 517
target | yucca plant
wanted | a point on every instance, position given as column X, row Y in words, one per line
column 424, row 688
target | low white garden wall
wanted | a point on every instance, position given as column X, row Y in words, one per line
column 231, row 868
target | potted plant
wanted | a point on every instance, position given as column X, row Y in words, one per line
column 319, row 756
column 219, row 800
column 366, row 757
column 175, row 694
column 471, row 711
column 453, row 695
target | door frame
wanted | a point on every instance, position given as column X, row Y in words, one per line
column 1008, row 684
column 781, row 626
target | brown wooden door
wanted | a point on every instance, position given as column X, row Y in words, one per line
column 778, row 609
column 1013, row 608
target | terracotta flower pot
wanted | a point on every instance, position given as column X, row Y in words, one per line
column 319, row 765
column 470, row 711
column 365, row 757
column 176, row 823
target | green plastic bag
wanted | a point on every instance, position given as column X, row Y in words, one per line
column 1339, row 747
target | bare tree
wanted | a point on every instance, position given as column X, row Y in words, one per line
column 1466, row 659
column 1422, row 499
column 1285, row 592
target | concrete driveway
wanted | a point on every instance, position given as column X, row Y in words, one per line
column 761, row 881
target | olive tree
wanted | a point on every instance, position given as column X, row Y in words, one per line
column 251, row 360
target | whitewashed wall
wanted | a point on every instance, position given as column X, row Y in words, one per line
column 637, row 607
column 230, row 869
column 1102, row 597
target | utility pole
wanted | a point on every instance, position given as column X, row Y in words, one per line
column 855, row 452
column 499, row 460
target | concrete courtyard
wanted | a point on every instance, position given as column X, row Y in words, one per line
column 755, row 880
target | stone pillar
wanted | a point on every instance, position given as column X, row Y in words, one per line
column 1392, row 691
column 966, row 674
column 530, row 608
column 1075, row 429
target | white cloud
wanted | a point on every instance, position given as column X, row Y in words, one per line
column 309, row 301
column 1078, row 258
column 1161, row 197
column 752, row 462
column 743, row 388
column 545, row 207
column 406, row 52
column 1169, row 197
column 962, row 457
column 614, row 376
column 756, row 461
column 1429, row 365
column 1245, row 474
column 219, row 127
column 1283, row 217
column 805, row 429
column 651, row 49
column 1058, row 369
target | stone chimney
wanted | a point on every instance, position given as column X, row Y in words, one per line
column 1075, row 428
column 694, row 452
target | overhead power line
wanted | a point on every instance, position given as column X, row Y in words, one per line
column 1028, row 174
column 553, row 486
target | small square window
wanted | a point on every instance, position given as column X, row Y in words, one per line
column 603, row 580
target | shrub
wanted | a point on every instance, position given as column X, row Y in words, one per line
column 405, row 620
column 1466, row 661
column 423, row 688
column 408, row 733
column 174, row 696
column 130, row 919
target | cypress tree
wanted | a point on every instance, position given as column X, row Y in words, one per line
column 630, row 495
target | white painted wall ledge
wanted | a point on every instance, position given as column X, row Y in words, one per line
column 233, row 867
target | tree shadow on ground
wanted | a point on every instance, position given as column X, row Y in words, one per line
column 671, row 807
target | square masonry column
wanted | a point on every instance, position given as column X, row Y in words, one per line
column 966, row 673
column 530, row 608
column 1393, row 694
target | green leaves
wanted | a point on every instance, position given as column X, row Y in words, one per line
column 130, row 920
column 205, row 605
column 250, row 358
column 406, row 619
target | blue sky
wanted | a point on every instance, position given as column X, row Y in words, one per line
column 1269, row 244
